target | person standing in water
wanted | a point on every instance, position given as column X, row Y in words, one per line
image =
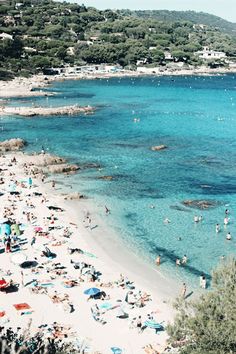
column 183, row 291
column 217, row 228
column 107, row 211
column 158, row 260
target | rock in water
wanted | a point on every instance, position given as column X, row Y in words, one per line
column 158, row 147
column 106, row 178
column 201, row 204
column 12, row 145
column 74, row 196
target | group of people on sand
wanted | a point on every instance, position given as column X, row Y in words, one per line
column 39, row 233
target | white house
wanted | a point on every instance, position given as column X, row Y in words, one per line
column 5, row 36
column 207, row 54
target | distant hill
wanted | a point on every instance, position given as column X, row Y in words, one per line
column 193, row 16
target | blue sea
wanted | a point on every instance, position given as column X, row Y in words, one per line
column 195, row 117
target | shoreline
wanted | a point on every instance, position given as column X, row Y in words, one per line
column 32, row 87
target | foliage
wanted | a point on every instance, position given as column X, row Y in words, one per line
column 42, row 32
column 209, row 324
column 13, row 343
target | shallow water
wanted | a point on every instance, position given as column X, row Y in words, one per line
column 194, row 116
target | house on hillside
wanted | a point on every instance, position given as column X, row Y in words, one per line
column 4, row 35
column 209, row 54
column 168, row 56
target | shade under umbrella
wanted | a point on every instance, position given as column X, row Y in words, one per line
column 92, row 291
column 28, row 264
column 18, row 258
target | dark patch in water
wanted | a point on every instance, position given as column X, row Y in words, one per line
column 179, row 208
column 201, row 204
column 131, row 215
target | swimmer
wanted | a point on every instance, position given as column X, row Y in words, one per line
column 177, row 262
column 184, row 259
column 179, row 238
column 226, row 211
column 217, row 228
column 166, row 221
column 152, row 206
column 228, row 236
column 226, row 221
column 196, row 218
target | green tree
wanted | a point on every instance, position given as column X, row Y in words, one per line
column 208, row 326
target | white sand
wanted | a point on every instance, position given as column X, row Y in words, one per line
column 116, row 332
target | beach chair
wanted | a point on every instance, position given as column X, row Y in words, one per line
column 98, row 319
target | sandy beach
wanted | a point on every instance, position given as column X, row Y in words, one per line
column 67, row 246
column 31, row 87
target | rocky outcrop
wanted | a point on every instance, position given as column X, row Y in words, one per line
column 46, row 111
column 106, row 178
column 12, row 145
column 158, row 147
column 47, row 163
column 44, row 160
column 74, row 196
column 201, row 204
column 61, row 168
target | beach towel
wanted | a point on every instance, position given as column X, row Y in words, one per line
column 2, row 313
column 23, row 308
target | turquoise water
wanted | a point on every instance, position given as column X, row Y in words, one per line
column 194, row 116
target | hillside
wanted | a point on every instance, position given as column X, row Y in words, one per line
column 193, row 16
column 37, row 35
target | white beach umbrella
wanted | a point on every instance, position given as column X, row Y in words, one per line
column 18, row 258
column 3, row 220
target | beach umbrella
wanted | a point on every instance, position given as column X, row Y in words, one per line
column 3, row 284
column 92, row 291
column 153, row 324
column 3, row 220
column 116, row 350
column 18, row 258
column 38, row 228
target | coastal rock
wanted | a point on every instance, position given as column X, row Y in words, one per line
column 201, row 204
column 12, row 145
column 61, row 168
column 106, row 178
column 47, row 111
column 43, row 160
column 158, row 147
column 74, row 196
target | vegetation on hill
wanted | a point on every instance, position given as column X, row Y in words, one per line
column 39, row 34
column 192, row 16
column 208, row 326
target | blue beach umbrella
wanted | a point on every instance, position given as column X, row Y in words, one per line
column 116, row 350
column 154, row 325
column 92, row 291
